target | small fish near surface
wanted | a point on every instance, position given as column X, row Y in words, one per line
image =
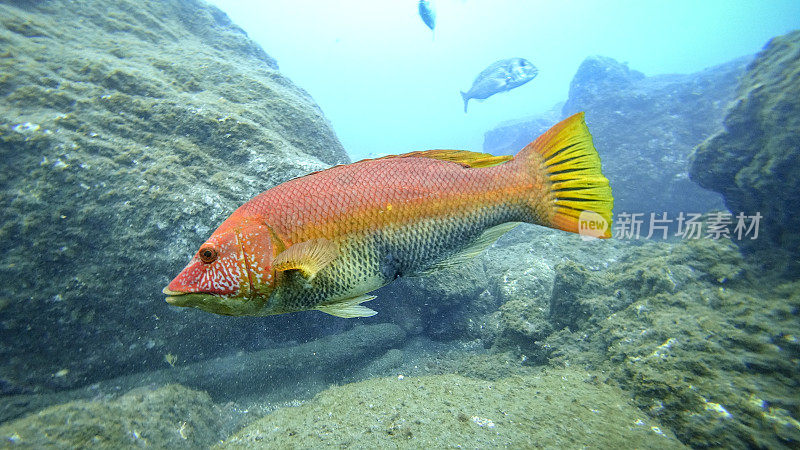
column 427, row 14
column 501, row 76
column 325, row 240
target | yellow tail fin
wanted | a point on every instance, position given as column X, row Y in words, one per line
column 572, row 181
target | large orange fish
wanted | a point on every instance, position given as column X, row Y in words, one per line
column 325, row 240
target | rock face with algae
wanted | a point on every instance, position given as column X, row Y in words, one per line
column 555, row 409
column 700, row 345
column 754, row 162
column 128, row 131
column 687, row 328
column 169, row 417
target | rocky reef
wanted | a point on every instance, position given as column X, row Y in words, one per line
column 128, row 131
column 704, row 339
column 513, row 278
column 172, row 416
column 554, row 409
column 683, row 328
column 686, row 327
column 754, row 162
column 644, row 128
column 700, row 345
column 512, row 136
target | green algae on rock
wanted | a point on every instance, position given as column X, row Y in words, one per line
column 755, row 161
column 128, row 130
column 554, row 409
column 169, row 417
column 699, row 345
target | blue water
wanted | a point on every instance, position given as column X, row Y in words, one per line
column 388, row 87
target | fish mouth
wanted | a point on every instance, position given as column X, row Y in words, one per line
column 173, row 297
column 168, row 292
column 187, row 299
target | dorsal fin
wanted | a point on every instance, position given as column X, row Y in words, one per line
column 463, row 157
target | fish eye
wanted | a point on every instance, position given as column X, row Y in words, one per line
column 207, row 253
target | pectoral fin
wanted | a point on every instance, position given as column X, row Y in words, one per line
column 309, row 257
column 349, row 307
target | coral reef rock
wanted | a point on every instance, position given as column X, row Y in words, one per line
column 754, row 162
column 128, row 131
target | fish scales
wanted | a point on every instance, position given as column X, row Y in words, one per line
column 373, row 194
column 325, row 240
column 391, row 217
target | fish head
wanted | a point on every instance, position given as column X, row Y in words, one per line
column 521, row 71
column 230, row 274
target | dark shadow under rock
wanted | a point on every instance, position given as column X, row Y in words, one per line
column 275, row 374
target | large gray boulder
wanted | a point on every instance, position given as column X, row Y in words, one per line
column 128, row 131
column 754, row 162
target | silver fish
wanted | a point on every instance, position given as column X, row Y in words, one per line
column 501, row 76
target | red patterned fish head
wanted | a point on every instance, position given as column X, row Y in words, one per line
column 230, row 273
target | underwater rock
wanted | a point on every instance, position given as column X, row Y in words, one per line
column 573, row 299
column 554, row 409
column 511, row 136
column 463, row 302
column 644, row 129
column 700, row 344
column 754, row 162
column 390, row 361
column 128, row 131
column 433, row 304
column 169, row 417
column 522, row 324
column 472, row 362
column 325, row 360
